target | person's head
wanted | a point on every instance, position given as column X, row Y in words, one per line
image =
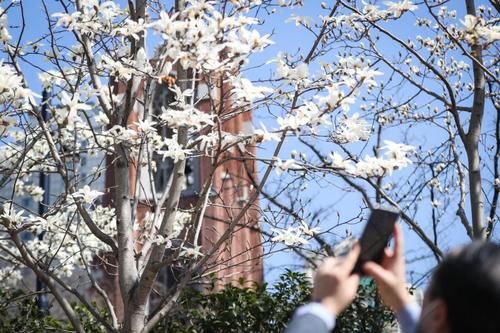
column 464, row 292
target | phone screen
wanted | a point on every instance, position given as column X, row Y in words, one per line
column 375, row 237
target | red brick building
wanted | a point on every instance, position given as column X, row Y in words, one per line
column 240, row 256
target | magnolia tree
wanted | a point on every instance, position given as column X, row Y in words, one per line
column 395, row 101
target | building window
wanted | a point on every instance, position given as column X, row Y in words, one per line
column 162, row 98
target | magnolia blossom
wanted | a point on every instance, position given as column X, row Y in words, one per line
column 68, row 115
column 36, row 192
column 118, row 68
column 352, row 129
column 290, row 236
column 146, row 126
column 244, row 91
column 191, row 252
column 475, row 28
column 283, row 166
column 4, row 32
column 264, row 135
column 398, row 152
column 304, row 228
column 299, row 72
column 174, row 151
column 307, row 114
column 10, row 214
column 189, row 116
column 160, row 240
column 339, row 162
column 131, row 28
column 11, row 86
column 398, row 8
column 87, row 195
column 6, row 122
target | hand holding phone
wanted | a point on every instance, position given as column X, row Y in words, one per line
column 375, row 237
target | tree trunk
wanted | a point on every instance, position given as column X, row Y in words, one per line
column 473, row 137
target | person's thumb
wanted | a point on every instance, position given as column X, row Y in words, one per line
column 377, row 272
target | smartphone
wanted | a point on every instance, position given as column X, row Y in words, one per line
column 375, row 237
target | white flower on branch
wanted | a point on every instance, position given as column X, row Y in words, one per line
column 11, row 87
column 308, row 114
column 6, row 122
column 131, row 28
column 299, row 20
column 10, row 278
column 35, row 192
column 263, row 135
column 168, row 24
column 398, row 8
column 283, row 166
column 398, row 153
column 339, row 162
column 299, row 72
column 245, row 92
column 119, row 68
column 87, row 195
column 68, row 115
column 253, row 39
column 191, row 252
column 304, row 228
column 146, row 126
column 4, row 32
column 476, row 28
column 291, row 237
column 352, row 129
column 66, row 20
column 160, row 240
column 14, row 218
column 189, row 116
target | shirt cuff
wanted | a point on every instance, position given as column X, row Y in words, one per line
column 318, row 310
column 408, row 317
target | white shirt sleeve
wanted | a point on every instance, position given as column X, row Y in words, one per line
column 318, row 310
column 408, row 317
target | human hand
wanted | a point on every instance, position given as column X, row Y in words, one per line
column 334, row 286
column 390, row 275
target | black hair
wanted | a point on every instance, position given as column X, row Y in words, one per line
column 468, row 281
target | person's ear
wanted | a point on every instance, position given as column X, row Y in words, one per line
column 440, row 316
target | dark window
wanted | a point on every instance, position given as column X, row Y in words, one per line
column 163, row 97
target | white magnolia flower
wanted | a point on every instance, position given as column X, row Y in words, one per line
column 264, row 135
column 191, row 252
column 10, row 214
column 69, row 114
column 398, row 8
column 283, row 166
column 146, row 126
column 87, row 195
column 339, row 162
column 352, row 129
column 366, row 75
column 290, row 236
column 304, row 228
column 160, row 240
column 300, row 72
column 6, row 122
column 36, row 192
column 119, row 68
column 398, row 152
column 244, row 91
column 131, row 28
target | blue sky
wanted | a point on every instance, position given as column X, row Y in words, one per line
column 324, row 194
